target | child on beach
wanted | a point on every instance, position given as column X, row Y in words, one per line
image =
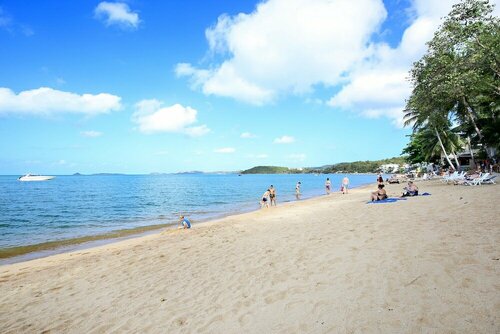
column 265, row 199
column 185, row 223
column 328, row 186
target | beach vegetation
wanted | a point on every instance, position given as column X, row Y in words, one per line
column 456, row 86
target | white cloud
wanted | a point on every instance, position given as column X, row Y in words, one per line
column 91, row 134
column 284, row 140
column 286, row 46
column 225, row 150
column 379, row 86
column 151, row 117
column 47, row 101
column 248, row 135
column 117, row 13
column 197, row 131
column 290, row 46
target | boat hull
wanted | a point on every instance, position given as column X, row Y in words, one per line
column 35, row 178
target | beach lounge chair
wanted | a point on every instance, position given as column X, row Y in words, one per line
column 477, row 181
column 448, row 178
column 489, row 180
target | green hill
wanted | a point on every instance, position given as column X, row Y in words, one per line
column 344, row 167
column 267, row 170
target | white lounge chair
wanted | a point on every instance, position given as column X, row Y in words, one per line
column 489, row 180
column 448, row 178
column 477, row 181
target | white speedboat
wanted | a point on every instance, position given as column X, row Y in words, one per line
column 31, row 177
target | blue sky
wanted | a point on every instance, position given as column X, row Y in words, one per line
column 164, row 86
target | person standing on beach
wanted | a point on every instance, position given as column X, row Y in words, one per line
column 272, row 195
column 380, row 179
column 345, row 185
column 185, row 223
column 265, row 199
column 328, row 186
column 297, row 190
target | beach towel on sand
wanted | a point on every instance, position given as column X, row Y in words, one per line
column 387, row 200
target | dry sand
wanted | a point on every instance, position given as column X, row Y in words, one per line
column 329, row 265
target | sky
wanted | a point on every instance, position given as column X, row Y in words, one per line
column 218, row 85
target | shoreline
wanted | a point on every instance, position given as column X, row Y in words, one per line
column 25, row 253
column 328, row 264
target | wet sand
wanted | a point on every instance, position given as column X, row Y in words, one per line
column 331, row 264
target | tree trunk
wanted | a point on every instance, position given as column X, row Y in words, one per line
column 444, row 150
column 456, row 159
column 470, row 150
column 470, row 113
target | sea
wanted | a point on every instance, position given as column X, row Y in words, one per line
column 75, row 207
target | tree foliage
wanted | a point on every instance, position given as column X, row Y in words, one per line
column 458, row 79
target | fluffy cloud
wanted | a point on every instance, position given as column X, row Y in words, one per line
column 379, row 86
column 286, row 46
column 47, row 101
column 289, row 46
column 225, row 150
column 284, row 140
column 247, row 135
column 91, row 134
column 117, row 13
column 151, row 117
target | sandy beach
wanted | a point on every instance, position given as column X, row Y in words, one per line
column 332, row 264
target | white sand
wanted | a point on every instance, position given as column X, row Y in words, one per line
column 328, row 265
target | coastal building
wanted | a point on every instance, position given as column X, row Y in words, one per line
column 389, row 168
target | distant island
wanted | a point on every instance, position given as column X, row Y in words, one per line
column 342, row 167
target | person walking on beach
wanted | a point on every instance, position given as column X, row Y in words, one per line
column 380, row 179
column 272, row 195
column 265, row 199
column 328, row 186
column 297, row 190
column 345, row 185
column 185, row 223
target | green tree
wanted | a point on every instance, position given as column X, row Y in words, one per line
column 459, row 77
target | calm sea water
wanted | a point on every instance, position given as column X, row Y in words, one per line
column 75, row 206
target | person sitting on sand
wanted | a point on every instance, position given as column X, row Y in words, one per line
column 328, row 186
column 411, row 190
column 185, row 223
column 380, row 194
column 272, row 195
column 265, row 199
column 345, row 185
